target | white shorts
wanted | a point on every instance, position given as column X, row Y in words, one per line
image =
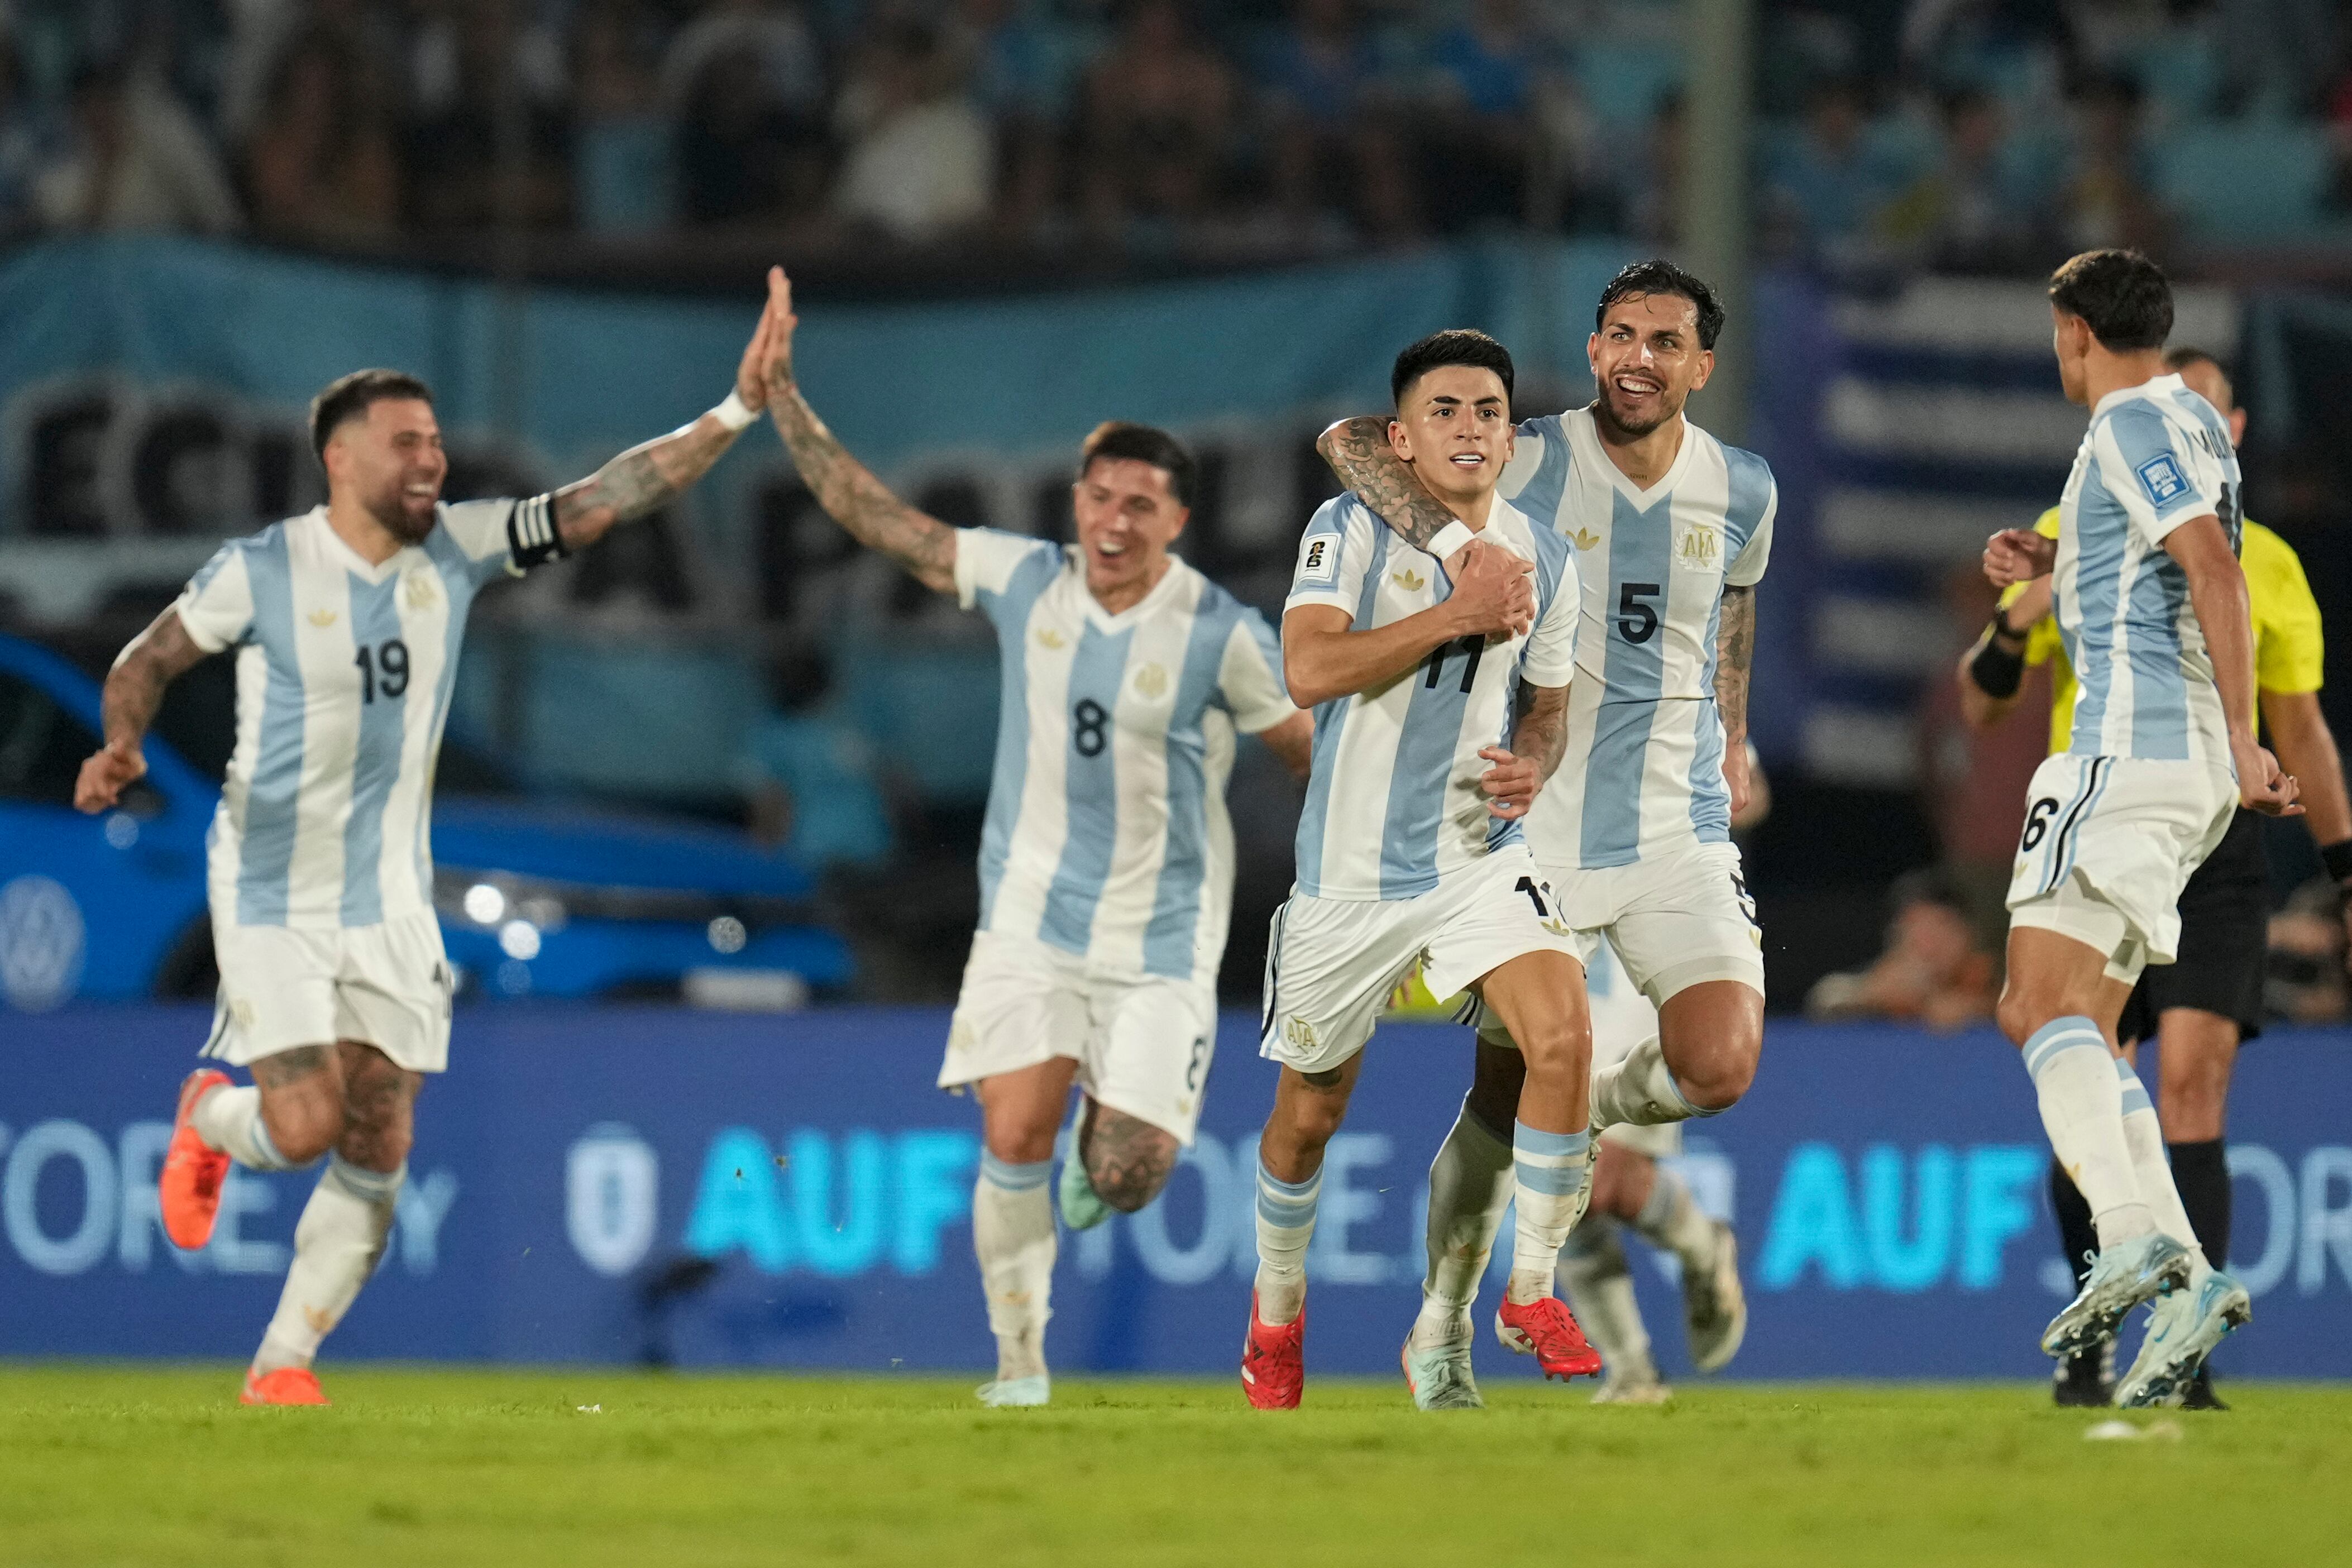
column 1331, row 964
column 1142, row 1042
column 2109, row 843
column 387, row 986
column 1677, row 920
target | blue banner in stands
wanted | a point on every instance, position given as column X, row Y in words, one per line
column 614, row 1185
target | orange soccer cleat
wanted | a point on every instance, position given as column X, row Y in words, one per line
column 286, row 1385
column 188, row 1191
column 1273, row 1362
column 1545, row 1329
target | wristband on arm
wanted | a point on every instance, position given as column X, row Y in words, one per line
column 734, row 415
column 1451, row 538
column 1997, row 670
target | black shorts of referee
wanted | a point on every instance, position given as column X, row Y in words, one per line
column 2224, row 935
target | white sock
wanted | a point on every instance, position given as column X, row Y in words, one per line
column 1012, row 1233
column 1286, row 1223
column 229, row 1119
column 337, row 1241
column 1672, row 1220
column 1599, row 1290
column 1470, row 1184
column 2082, row 1110
column 1554, row 1175
column 2152, row 1169
column 1639, row 1089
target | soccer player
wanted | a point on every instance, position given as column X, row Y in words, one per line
column 1106, row 862
column 1420, row 670
column 334, row 989
column 1673, row 529
column 2204, row 1007
column 2152, row 606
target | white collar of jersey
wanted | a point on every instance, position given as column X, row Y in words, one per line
column 1075, row 563
column 2155, row 386
column 1584, row 432
column 353, row 559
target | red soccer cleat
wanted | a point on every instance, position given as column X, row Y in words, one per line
column 1273, row 1362
column 188, row 1191
column 1545, row 1329
column 286, row 1385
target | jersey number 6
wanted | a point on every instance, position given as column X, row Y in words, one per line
column 2037, row 822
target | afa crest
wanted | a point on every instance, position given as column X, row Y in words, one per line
column 1699, row 548
column 1151, row 681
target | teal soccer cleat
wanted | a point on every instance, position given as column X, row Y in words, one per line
column 1440, row 1377
column 2122, row 1277
column 2187, row 1324
column 1082, row 1207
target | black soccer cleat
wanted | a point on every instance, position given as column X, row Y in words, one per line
column 2085, row 1381
column 2199, row 1394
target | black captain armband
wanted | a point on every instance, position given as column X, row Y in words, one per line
column 2337, row 859
column 532, row 538
column 1999, row 671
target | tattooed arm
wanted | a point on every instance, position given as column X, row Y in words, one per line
column 1735, row 651
column 135, row 690
column 646, row 475
column 1360, row 453
column 844, row 486
column 1537, row 741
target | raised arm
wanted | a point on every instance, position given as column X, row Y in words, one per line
column 2217, row 589
column 844, row 486
column 135, row 690
column 1734, row 657
column 648, row 475
column 1360, row 453
column 1323, row 659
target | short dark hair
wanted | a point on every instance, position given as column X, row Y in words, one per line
column 1457, row 345
column 351, row 396
column 1143, row 444
column 2187, row 355
column 1659, row 276
column 2121, row 295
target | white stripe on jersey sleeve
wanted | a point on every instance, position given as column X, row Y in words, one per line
column 1249, row 680
column 216, row 607
column 1550, row 656
column 986, row 560
column 1747, row 568
column 1527, row 462
column 2194, row 466
column 1333, row 555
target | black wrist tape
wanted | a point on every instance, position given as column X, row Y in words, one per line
column 1997, row 670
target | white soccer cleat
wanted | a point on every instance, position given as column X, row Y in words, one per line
column 1439, row 1377
column 1008, row 1393
column 1616, row 1390
column 2185, row 1328
column 1715, row 1306
column 2122, row 1277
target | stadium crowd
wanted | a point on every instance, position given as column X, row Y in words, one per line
column 1962, row 134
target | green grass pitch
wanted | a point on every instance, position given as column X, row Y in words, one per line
column 113, row 1464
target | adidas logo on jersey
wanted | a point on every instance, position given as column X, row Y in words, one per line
column 323, row 617
column 1410, row 581
column 1584, row 539
column 1049, row 638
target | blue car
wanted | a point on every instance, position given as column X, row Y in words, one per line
column 534, row 900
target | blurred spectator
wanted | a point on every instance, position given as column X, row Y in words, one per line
column 1934, row 969
column 1334, row 145
column 2305, row 976
column 132, row 158
column 2107, row 200
column 1652, row 196
column 2339, row 135
column 321, row 165
column 921, row 160
column 810, row 775
column 1487, row 73
column 486, row 138
column 748, row 86
column 621, row 144
column 1158, row 123
column 1820, row 190
column 1024, row 74
column 1967, row 212
column 20, row 154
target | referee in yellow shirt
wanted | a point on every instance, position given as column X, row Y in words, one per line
column 2199, row 1009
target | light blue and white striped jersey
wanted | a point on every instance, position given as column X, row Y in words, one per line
column 1393, row 801
column 1643, row 771
column 343, row 676
column 1107, row 835
column 2156, row 456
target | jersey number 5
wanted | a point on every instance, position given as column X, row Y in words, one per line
column 383, row 669
column 1637, row 622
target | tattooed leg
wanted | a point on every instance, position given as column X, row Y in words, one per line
column 301, row 1101
column 379, row 1108
column 1127, row 1160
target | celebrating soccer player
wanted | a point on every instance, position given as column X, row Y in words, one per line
column 1422, row 665
column 2152, row 606
column 1106, row 863
column 1673, row 529
column 334, row 989
column 2203, row 1006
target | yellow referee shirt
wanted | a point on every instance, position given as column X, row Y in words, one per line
column 2289, row 652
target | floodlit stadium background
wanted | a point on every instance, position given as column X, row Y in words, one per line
column 721, row 779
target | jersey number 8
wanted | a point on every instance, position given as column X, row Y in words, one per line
column 1087, row 721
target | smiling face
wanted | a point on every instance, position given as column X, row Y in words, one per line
column 1454, row 426
column 388, row 458
column 1646, row 360
column 1128, row 517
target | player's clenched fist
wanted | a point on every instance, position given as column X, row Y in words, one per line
column 2262, row 785
column 1494, row 590
column 1511, row 783
column 106, row 774
column 2018, row 555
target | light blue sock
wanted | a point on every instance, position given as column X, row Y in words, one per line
column 2081, row 1098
